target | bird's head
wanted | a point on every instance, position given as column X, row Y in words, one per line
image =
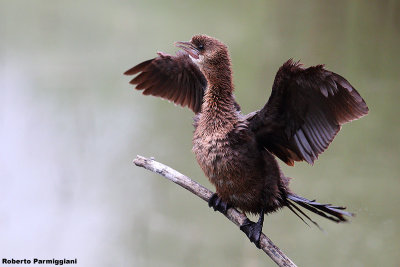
column 206, row 52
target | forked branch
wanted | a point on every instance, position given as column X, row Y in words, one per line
column 232, row 214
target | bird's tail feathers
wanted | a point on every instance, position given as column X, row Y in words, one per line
column 333, row 213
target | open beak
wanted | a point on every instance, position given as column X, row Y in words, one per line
column 189, row 48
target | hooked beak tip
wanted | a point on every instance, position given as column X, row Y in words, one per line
column 189, row 48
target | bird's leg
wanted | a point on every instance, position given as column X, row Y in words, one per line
column 253, row 230
column 216, row 203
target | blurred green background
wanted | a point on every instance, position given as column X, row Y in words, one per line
column 70, row 125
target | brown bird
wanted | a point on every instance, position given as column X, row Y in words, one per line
column 304, row 113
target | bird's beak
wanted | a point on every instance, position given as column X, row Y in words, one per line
column 189, row 48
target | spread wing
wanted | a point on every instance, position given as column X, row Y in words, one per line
column 305, row 111
column 175, row 78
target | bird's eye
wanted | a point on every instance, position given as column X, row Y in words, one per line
column 200, row 47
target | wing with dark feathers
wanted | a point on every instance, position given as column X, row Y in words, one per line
column 175, row 78
column 305, row 111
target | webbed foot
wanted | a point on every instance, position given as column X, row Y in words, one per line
column 253, row 230
column 217, row 204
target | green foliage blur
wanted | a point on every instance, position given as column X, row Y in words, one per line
column 70, row 125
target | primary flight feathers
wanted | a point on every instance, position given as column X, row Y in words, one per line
column 175, row 78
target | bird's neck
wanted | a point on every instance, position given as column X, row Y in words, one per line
column 218, row 73
column 218, row 110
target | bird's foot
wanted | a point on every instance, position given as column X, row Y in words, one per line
column 253, row 231
column 217, row 204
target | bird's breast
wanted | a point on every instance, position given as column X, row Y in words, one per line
column 213, row 152
column 219, row 153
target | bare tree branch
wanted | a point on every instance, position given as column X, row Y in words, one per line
column 232, row 214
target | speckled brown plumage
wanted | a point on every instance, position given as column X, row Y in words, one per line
column 304, row 113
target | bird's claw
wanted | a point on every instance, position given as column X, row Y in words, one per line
column 253, row 231
column 217, row 204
